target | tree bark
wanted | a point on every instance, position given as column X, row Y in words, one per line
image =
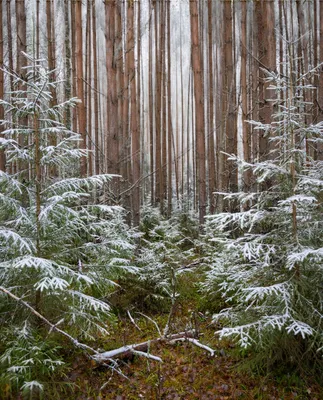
column 199, row 109
column 211, row 127
column 21, row 63
column 151, row 105
column 135, row 134
column 230, row 181
column 158, row 89
column 169, row 117
column 95, row 93
column 112, row 147
column 2, row 152
column 80, row 83
column 244, row 96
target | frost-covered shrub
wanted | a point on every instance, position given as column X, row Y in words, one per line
column 267, row 259
column 56, row 243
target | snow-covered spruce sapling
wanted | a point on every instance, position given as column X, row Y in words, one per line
column 166, row 248
column 267, row 261
column 55, row 242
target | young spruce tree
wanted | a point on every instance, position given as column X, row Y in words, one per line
column 267, row 264
column 55, row 240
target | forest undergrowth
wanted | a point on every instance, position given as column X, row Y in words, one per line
column 148, row 306
column 187, row 372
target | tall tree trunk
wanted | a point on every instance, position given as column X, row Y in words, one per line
column 37, row 29
column 126, row 139
column 21, row 63
column 184, row 154
column 163, row 184
column 80, row 84
column 135, row 134
column 51, row 66
column 112, row 149
column 2, row 153
column 21, row 37
column 211, row 129
column 244, row 96
column 88, row 80
column 169, row 117
column 158, row 89
column 267, row 58
column 199, row 109
column 139, row 155
column 255, row 87
column 9, row 34
column 95, row 92
column 51, row 44
column 320, row 88
column 73, row 58
column 68, row 88
column 151, row 106
column 230, row 183
column 13, row 166
column 120, row 91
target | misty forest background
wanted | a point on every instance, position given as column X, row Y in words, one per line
column 161, row 165
column 167, row 87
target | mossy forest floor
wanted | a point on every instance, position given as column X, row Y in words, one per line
column 187, row 372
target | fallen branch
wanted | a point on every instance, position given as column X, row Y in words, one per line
column 141, row 348
column 201, row 345
column 147, row 355
column 198, row 344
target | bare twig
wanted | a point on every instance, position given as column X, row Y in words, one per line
column 132, row 320
column 151, row 320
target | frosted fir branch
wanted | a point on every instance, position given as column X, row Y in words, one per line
column 55, row 207
column 119, row 261
column 260, row 292
column 299, row 198
column 245, row 219
column 300, row 257
column 300, row 328
column 267, row 170
column 91, row 302
column 241, row 332
column 103, row 208
column 310, row 183
column 259, row 125
column 4, row 143
column 19, row 154
column 51, row 283
column 11, row 184
column 19, row 369
column 68, row 197
column 253, row 250
column 79, row 184
column 64, row 213
column 32, row 385
column 277, row 321
column 12, row 238
column 37, row 263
